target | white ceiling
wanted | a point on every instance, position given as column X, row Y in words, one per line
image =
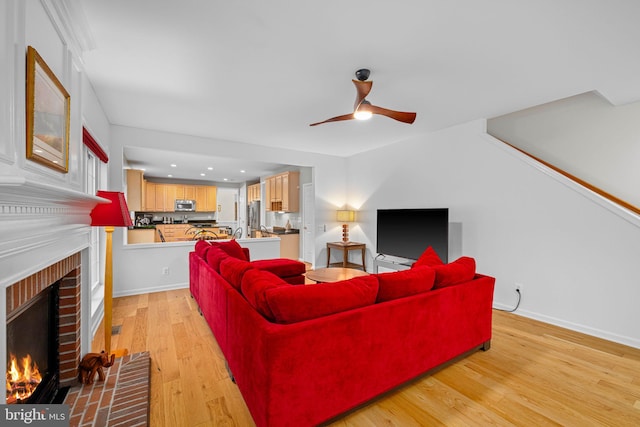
column 186, row 166
column 261, row 71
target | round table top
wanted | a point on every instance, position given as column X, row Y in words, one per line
column 334, row 274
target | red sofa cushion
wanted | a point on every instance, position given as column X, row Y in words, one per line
column 233, row 269
column 461, row 270
column 254, row 285
column 232, row 248
column 429, row 258
column 281, row 267
column 400, row 284
column 215, row 255
column 201, row 247
column 297, row 303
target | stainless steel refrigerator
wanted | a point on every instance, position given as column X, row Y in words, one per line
column 253, row 216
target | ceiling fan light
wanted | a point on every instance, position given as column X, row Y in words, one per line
column 362, row 115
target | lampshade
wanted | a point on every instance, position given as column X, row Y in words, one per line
column 346, row 215
column 114, row 214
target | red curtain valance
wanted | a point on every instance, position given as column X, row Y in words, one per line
column 94, row 146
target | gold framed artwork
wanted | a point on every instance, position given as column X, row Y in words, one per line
column 47, row 115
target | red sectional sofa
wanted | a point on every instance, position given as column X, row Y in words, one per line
column 302, row 355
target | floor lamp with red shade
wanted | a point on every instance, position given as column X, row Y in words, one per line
column 109, row 216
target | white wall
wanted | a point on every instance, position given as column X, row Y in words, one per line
column 330, row 189
column 575, row 258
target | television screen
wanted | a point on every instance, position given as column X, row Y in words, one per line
column 406, row 233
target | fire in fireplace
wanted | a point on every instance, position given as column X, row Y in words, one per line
column 32, row 350
column 22, row 379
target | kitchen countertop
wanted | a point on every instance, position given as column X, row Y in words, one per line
column 282, row 230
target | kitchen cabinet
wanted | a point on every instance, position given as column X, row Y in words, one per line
column 268, row 193
column 141, row 235
column 170, row 196
column 174, row 232
column 284, row 192
column 162, row 197
column 253, row 193
column 149, row 197
column 206, row 198
column 135, row 189
column 289, row 246
column 189, row 192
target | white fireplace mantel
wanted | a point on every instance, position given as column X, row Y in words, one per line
column 40, row 224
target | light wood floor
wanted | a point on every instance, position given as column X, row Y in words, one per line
column 533, row 375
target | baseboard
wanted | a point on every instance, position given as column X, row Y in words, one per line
column 140, row 291
column 609, row 336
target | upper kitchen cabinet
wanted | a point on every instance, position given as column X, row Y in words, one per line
column 283, row 192
column 162, row 197
column 149, row 204
column 190, row 192
column 206, row 198
column 253, row 193
column 135, row 190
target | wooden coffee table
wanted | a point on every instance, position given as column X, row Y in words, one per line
column 334, row 274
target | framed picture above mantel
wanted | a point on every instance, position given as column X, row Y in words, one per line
column 47, row 115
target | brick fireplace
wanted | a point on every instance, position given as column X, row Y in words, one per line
column 67, row 271
column 45, row 238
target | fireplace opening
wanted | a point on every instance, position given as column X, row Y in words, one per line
column 33, row 371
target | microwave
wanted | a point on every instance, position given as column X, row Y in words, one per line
column 185, row 205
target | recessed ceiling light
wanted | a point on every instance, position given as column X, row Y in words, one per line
column 210, row 168
column 170, row 176
column 242, row 171
column 201, row 174
column 173, row 165
column 226, row 179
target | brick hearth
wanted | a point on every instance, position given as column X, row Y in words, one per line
column 122, row 399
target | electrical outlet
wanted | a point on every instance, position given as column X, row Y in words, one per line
column 165, row 271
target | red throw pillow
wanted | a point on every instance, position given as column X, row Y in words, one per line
column 461, row 270
column 429, row 258
column 201, row 248
column 215, row 255
column 297, row 303
column 232, row 270
column 232, row 248
column 254, row 285
column 405, row 283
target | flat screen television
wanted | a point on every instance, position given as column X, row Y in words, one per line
column 406, row 233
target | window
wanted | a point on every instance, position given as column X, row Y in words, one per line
column 93, row 181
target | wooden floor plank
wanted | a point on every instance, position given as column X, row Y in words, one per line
column 534, row 374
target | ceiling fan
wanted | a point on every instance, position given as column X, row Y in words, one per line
column 363, row 109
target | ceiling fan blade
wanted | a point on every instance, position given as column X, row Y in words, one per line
column 400, row 116
column 335, row 119
column 363, row 89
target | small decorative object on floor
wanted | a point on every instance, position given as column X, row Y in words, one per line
column 92, row 363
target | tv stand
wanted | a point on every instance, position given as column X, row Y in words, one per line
column 392, row 264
